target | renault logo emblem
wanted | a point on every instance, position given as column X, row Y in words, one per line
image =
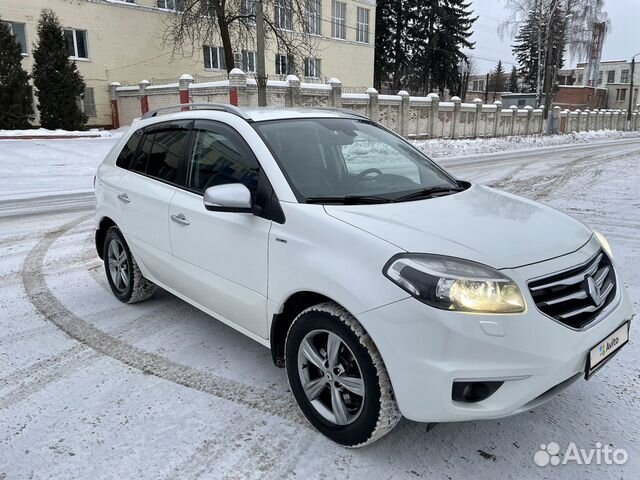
column 593, row 291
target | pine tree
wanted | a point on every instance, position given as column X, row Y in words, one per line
column 419, row 43
column 513, row 80
column 16, row 109
column 497, row 80
column 525, row 49
column 57, row 80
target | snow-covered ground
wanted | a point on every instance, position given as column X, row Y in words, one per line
column 159, row 390
column 44, row 133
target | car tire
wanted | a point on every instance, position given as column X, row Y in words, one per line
column 351, row 365
column 123, row 274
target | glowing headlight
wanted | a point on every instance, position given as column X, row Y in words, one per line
column 604, row 243
column 455, row 284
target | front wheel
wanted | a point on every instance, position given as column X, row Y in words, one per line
column 338, row 378
column 123, row 274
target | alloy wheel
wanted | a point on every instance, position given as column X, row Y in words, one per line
column 118, row 265
column 331, row 377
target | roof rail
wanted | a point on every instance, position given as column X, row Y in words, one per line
column 344, row 111
column 219, row 107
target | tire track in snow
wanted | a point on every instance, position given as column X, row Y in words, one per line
column 42, row 298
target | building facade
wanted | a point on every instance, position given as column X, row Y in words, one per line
column 614, row 76
column 123, row 41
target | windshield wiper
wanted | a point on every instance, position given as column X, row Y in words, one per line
column 429, row 192
column 350, row 200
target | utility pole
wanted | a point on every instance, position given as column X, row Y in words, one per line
column 633, row 68
column 538, row 73
column 261, row 75
column 486, row 90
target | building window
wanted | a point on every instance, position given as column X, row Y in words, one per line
column 248, row 8
column 88, row 102
column 312, row 67
column 478, row 86
column 624, row 76
column 600, row 74
column 248, row 60
column 611, row 76
column 177, row 5
column 338, row 19
column 283, row 65
column 18, row 29
column 580, row 77
column 76, row 42
column 314, row 17
column 621, row 94
column 283, row 13
column 214, row 58
column 362, row 25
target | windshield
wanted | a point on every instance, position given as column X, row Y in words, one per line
column 333, row 159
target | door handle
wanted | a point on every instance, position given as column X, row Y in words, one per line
column 180, row 218
column 124, row 197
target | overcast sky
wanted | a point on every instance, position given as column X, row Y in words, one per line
column 620, row 43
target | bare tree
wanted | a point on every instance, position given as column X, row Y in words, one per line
column 290, row 25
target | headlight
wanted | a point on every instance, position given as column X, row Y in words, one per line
column 454, row 284
column 604, row 243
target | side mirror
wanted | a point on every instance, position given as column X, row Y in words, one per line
column 232, row 197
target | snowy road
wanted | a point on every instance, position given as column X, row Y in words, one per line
column 92, row 388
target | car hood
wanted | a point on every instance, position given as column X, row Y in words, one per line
column 479, row 224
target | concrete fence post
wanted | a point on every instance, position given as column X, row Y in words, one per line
column 596, row 115
column 578, row 120
column 529, row 110
column 555, row 120
column 113, row 100
column 498, row 105
column 373, row 108
column 587, row 120
column 403, row 120
column 622, row 121
column 335, row 98
column 433, row 114
column 541, row 129
column 457, row 102
column 144, row 101
column 636, row 120
column 476, row 120
column 237, row 87
column 514, row 119
column 293, row 95
column 183, row 88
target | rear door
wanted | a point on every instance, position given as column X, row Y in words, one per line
column 221, row 257
column 145, row 192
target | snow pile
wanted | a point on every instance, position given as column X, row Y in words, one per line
column 442, row 147
column 43, row 132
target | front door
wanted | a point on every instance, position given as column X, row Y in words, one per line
column 221, row 256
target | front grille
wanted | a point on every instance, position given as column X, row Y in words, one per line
column 576, row 297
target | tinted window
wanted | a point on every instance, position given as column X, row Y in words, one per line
column 144, row 152
column 221, row 156
column 166, row 153
column 128, row 152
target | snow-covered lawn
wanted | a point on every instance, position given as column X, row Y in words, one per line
column 44, row 133
column 159, row 390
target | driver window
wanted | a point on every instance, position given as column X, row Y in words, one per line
column 367, row 153
column 220, row 156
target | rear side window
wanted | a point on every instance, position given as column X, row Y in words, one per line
column 142, row 157
column 129, row 150
column 166, row 154
column 220, row 156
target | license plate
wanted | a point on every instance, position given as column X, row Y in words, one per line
column 604, row 351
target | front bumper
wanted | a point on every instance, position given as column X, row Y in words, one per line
column 425, row 350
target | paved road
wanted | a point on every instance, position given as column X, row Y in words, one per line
column 91, row 388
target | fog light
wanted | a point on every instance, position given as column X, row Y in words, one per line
column 473, row 392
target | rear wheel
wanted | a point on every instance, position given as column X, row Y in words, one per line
column 123, row 274
column 337, row 377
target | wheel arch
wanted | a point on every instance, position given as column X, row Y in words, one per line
column 292, row 306
column 101, row 232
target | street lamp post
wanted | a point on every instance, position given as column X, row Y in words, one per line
column 633, row 67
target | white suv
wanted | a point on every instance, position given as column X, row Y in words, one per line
column 383, row 284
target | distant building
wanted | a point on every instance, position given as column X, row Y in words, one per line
column 614, row 76
column 122, row 41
